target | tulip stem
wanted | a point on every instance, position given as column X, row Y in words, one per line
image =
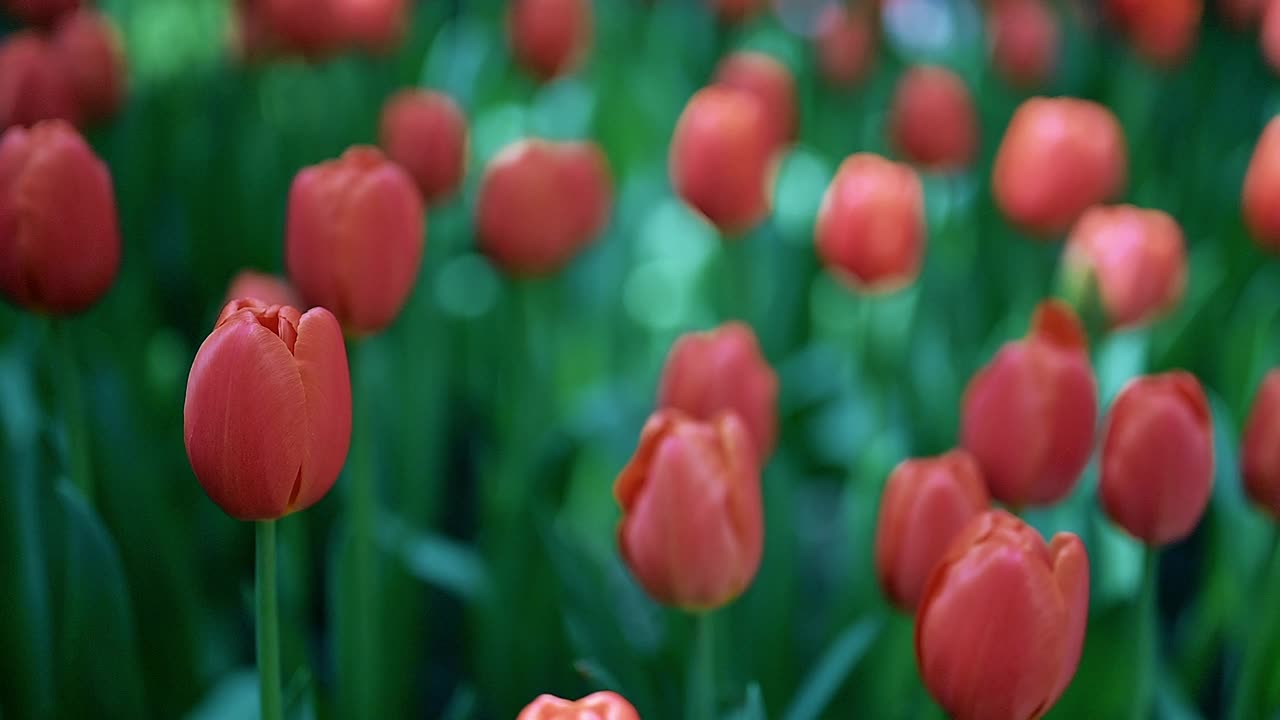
column 702, row 674
column 73, row 410
column 1253, row 667
column 1147, row 642
column 268, row 623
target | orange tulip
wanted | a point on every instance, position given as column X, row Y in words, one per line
column 40, row 12
column 1059, row 156
column 692, row 527
column 549, row 37
column 34, row 83
column 1157, row 457
column 266, row 289
column 1260, row 451
column 1261, row 197
column 870, row 230
column 354, row 238
column 769, row 82
column 1136, row 257
column 1029, row 415
column 88, row 44
column 933, row 122
column 1024, row 41
column 722, row 370
column 846, row 45
column 603, row 705
column 1002, row 620
column 267, row 420
column 926, row 503
column 59, row 238
column 426, row 133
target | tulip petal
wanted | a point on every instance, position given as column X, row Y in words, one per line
column 1054, row 322
column 1071, row 572
column 326, row 382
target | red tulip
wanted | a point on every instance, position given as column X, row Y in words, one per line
column 1261, row 197
column 1136, row 257
column 722, row 370
column 266, row 289
column 1059, row 156
column 770, row 82
column 89, row 45
column 870, row 230
column 1241, row 14
column 1270, row 35
column 735, row 11
column 374, row 25
column 34, row 83
column 1162, row 31
column 426, row 133
column 549, row 37
column 1157, row 457
column 602, row 705
column 354, row 238
column 933, row 122
column 540, row 203
column 926, row 503
column 722, row 158
column 305, row 27
column 1260, row 454
column 692, row 527
column 846, row 45
column 1029, row 415
column 59, row 239
column 267, row 419
column 1002, row 620
column 40, row 12
column 1024, row 41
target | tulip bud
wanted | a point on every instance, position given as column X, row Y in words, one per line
column 305, row 27
column 549, row 37
column 374, row 25
column 769, row 82
column 692, row 527
column 735, row 11
column 1162, row 31
column 40, row 12
column 1261, row 197
column 1029, row 415
column 266, row 289
column 59, row 239
column 870, row 230
column 1059, row 156
column 1024, row 41
column 603, row 705
column 89, row 45
column 845, row 43
column 540, row 203
column 933, row 122
column 354, row 237
column 1269, row 35
column 1136, row 258
column 426, row 133
column 926, row 503
column 34, row 83
column 1157, row 457
column 1002, row 620
column 722, row 158
column 1260, row 454
column 722, row 370
column 267, row 420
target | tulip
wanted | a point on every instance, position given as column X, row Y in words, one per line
column 926, row 503
column 354, row 237
column 267, row 420
column 266, row 289
column 1029, row 415
column 603, row 705
column 549, row 37
column 1157, row 457
column 769, row 81
column 735, row 11
column 1136, row 257
column 59, row 239
column 933, row 122
column 426, row 133
column 540, row 203
column 1162, row 31
column 1241, row 14
column 34, row 83
column 1270, row 35
column 845, row 44
column 1260, row 454
column 870, row 230
column 722, row 370
column 89, row 45
column 374, row 25
column 1002, row 620
column 305, row 27
column 1059, row 156
column 40, row 12
column 692, row 527
column 1260, row 199
column 1024, row 41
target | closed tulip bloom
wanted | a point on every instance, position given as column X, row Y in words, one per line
column 549, row 37
column 870, row 230
column 34, row 83
column 426, row 134
column 1029, row 415
column 304, row 27
column 603, row 705
column 1260, row 454
column 926, row 503
column 770, row 82
column 692, row 527
column 1002, row 621
column 846, row 45
column 267, row 420
column 1157, row 457
column 59, row 238
column 40, row 12
column 1269, row 35
column 89, row 46
column 1136, row 258
column 354, row 238
column 266, row 289
column 1059, row 156
column 933, row 122
column 722, row 158
column 735, row 11
column 1024, row 41
column 373, row 25
column 723, row 370
column 1163, row 31
column 1260, row 199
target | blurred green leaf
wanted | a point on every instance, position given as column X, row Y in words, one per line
column 824, row 679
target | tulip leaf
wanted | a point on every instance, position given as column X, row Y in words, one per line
column 436, row 560
column 849, row 647
column 753, row 707
column 234, row 696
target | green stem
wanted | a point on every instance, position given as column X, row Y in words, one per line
column 73, row 409
column 268, row 623
column 363, row 516
column 735, row 258
column 701, row 701
column 1253, row 667
column 1147, row 645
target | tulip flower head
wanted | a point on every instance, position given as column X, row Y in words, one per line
column 426, row 134
column 1024, row 41
column 1270, row 35
column 373, row 25
column 1162, row 31
column 770, row 82
column 845, row 43
column 933, row 123
column 603, row 705
column 735, row 11
column 1260, row 454
column 89, row 46
column 692, row 527
column 267, row 419
column 266, row 289
column 549, row 38
column 1001, row 623
column 40, row 12
column 1241, row 14
column 34, row 83
column 1157, row 458
column 1260, row 199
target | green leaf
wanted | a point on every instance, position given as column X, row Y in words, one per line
column 849, row 647
column 437, row 560
column 753, row 707
column 234, row 696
